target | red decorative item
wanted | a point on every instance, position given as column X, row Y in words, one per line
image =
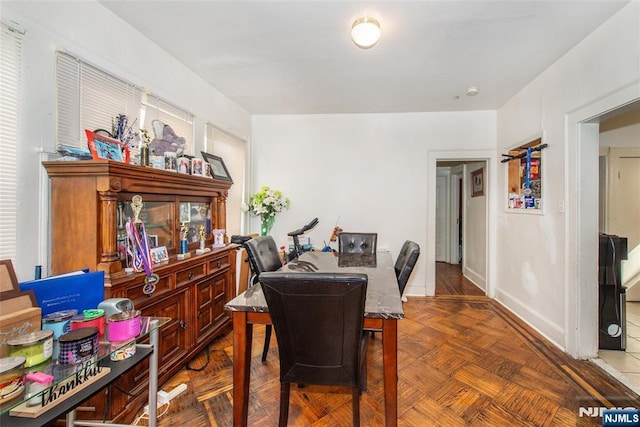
column 105, row 148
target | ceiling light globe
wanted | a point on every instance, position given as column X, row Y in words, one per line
column 472, row 91
column 365, row 32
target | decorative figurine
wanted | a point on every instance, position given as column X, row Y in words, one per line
column 136, row 207
column 166, row 140
column 144, row 147
column 203, row 236
column 184, row 243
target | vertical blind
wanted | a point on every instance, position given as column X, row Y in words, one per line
column 91, row 98
column 10, row 82
column 233, row 152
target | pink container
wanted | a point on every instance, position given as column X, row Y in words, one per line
column 90, row 319
column 123, row 326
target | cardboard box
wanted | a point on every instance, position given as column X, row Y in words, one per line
column 8, row 280
column 18, row 323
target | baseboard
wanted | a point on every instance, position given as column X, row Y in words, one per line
column 535, row 320
column 477, row 279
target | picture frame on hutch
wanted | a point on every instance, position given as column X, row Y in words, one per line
column 217, row 167
column 105, row 148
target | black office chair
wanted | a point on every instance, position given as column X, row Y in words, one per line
column 318, row 319
column 357, row 243
column 263, row 256
column 405, row 262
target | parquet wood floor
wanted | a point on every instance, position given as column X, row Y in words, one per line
column 463, row 360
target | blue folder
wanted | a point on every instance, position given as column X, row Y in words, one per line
column 79, row 290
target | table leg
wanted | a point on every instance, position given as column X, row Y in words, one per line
column 153, row 376
column 390, row 363
column 242, row 337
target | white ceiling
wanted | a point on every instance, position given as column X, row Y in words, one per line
column 296, row 57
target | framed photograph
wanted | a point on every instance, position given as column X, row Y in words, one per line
column 196, row 167
column 477, row 183
column 105, row 148
column 184, row 165
column 217, row 168
column 185, row 212
column 218, row 238
column 153, row 240
column 159, row 254
column 156, row 162
column 170, row 161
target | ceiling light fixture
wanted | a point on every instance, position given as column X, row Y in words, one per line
column 472, row 91
column 365, row 32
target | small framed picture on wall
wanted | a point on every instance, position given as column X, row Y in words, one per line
column 477, row 183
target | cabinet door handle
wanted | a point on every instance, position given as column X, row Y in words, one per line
column 219, row 264
column 183, row 324
column 200, row 314
column 190, row 275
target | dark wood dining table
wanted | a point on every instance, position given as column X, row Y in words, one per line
column 383, row 309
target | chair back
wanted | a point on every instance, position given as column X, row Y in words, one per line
column 263, row 255
column 318, row 319
column 357, row 243
column 407, row 259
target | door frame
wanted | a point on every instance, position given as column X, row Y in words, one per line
column 454, row 225
column 433, row 156
column 445, row 177
column 581, row 222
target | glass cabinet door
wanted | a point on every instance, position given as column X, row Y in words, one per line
column 196, row 218
column 159, row 223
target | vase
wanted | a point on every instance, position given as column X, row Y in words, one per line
column 266, row 225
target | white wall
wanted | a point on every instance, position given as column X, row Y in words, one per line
column 547, row 267
column 91, row 31
column 474, row 259
column 369, row 170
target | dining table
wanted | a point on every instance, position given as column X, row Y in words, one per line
column 383, row 309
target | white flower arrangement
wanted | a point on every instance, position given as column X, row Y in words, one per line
column 267, row 203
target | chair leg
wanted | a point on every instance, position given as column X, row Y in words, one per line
column 267, row 340
column 284, row 404
column 356, row 406
column 363, row 380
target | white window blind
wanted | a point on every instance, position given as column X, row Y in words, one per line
column 90, row 98
column 181, row 121
column 233, row 152
column 10, row 85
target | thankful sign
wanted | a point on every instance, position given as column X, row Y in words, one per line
column 60, row 391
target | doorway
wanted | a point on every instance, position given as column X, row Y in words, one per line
column 619, row 202
column 460, row 251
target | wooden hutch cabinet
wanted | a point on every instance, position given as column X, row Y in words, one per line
column 90, row 204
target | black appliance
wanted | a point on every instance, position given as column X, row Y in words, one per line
column 612, row 321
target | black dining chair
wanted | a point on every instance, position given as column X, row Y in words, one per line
column 318, row 318
column 263, row 256
column 357, row 243
column 405, row 263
